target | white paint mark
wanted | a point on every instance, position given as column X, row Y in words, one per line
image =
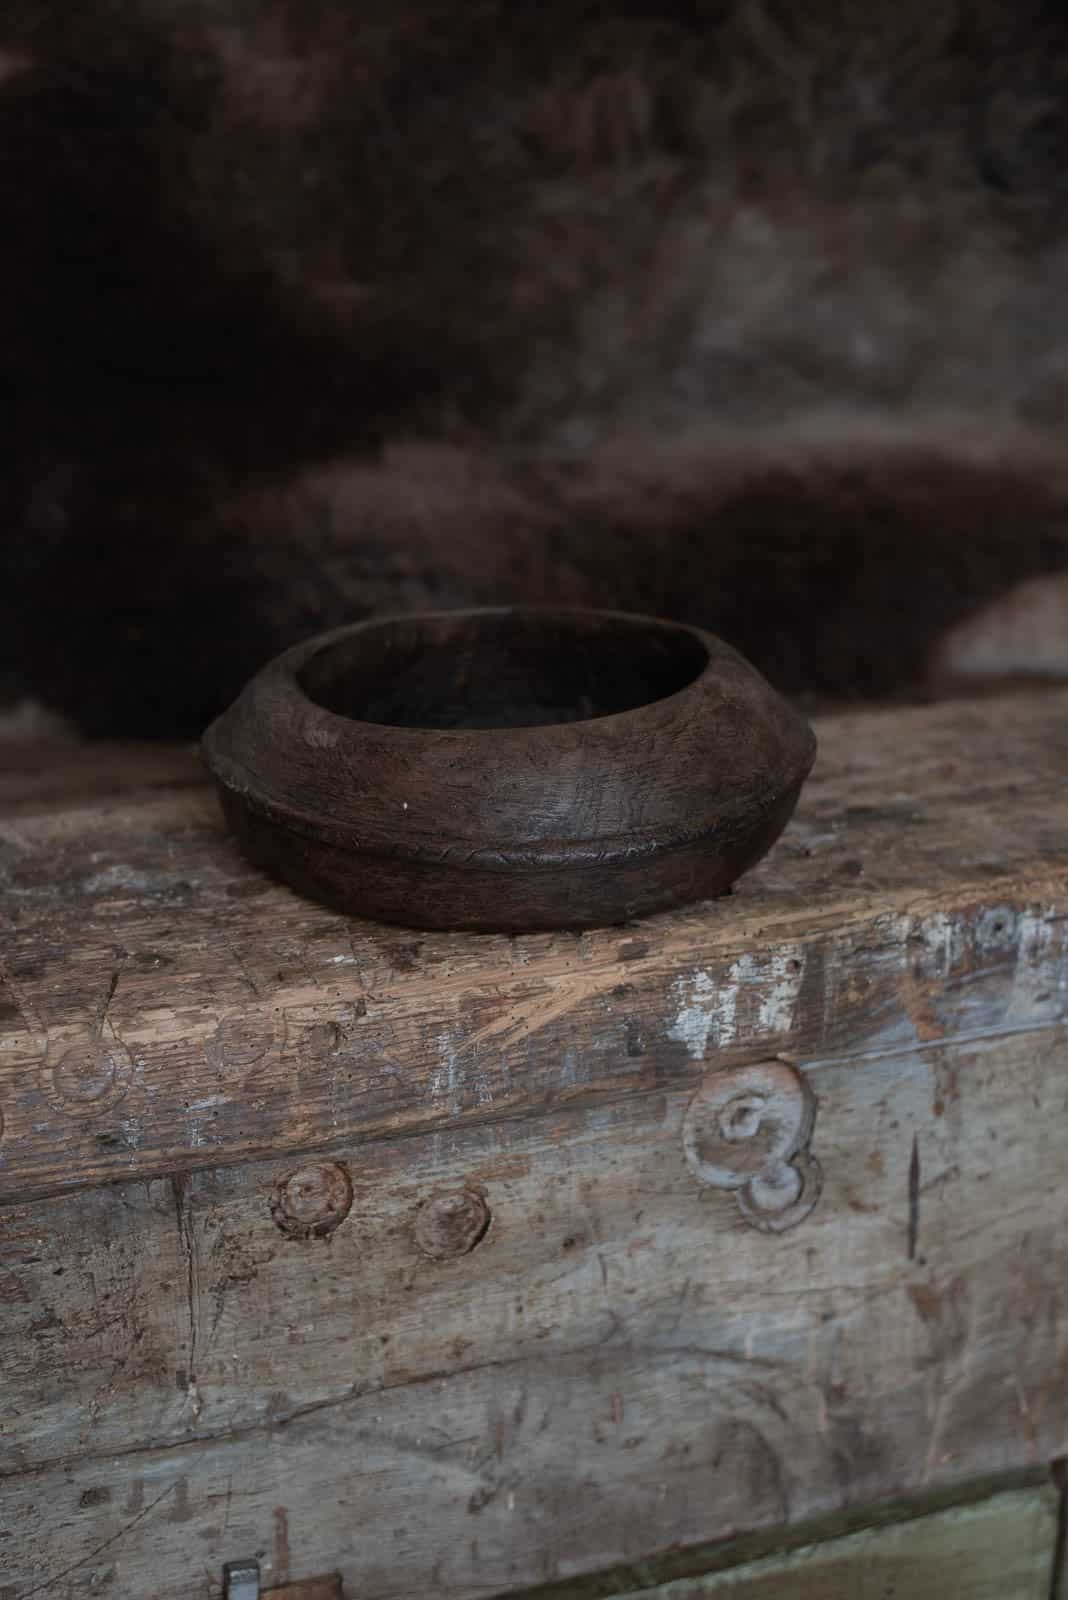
column 1039, row 975
column 708, row 1012
column 483, row 1092
column 695, row 1019
column 445, row 1081
column 782, row 988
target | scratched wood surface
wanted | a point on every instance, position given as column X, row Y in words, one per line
column 1001, row 1549
column 163, row 1008
column 622, row 1364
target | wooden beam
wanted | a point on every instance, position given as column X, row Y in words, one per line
column 166, row 1009
column 621, row 1365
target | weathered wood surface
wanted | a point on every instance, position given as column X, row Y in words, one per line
column 165, row 1009
column 1000, row 1549
column 620, row 1366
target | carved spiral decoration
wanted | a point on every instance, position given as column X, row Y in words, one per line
column 88, row 1078
column 747, row 1132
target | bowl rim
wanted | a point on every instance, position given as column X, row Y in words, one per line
column 292, row 661
column 288, row 802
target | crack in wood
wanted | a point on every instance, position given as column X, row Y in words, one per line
column 914, row 1198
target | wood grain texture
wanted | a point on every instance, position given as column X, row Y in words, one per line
column 227, row 1327
column 1000, row 1549
column 165, row 1009
column 621, row 1366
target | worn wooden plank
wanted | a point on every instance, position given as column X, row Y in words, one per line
column 165, row 1009
column 1000, row 1549
column 621, row 1365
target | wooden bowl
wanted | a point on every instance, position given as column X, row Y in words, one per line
column 509, row 769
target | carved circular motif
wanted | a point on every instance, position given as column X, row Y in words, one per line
column 747, row 1132
column 88, row 1079
column 771, row 1208
column 312, row 1201
column 243, row 1042
column 452, row 1225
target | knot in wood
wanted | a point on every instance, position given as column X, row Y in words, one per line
column 312, row 1201
column 452, row 1224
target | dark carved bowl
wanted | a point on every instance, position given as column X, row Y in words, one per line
column 509, row 769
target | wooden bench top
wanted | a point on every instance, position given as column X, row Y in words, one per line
column 163, row 1007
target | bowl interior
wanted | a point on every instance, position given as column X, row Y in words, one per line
column 501, row 669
